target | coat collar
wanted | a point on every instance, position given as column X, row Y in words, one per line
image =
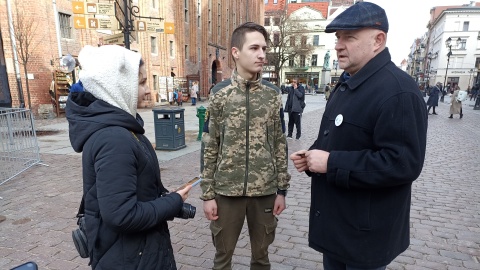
column 239, row 81
column 373, row 66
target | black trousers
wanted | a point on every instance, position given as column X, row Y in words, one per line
column 295, row 118
column 332, row 264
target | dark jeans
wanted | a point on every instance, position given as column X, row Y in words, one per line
column 332, row 264
column 428, row 109
column 295, row 118
column 194, row 101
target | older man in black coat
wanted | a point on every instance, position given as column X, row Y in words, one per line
column 370, row 148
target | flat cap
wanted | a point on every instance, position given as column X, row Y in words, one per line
column 360, row 15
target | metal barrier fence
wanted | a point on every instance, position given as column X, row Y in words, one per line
column 18, row 142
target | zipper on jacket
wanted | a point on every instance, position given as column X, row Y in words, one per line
column 247, row 134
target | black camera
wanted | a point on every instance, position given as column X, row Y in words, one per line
column 187, row 211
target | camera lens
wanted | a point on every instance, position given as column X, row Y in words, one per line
column 187, row 211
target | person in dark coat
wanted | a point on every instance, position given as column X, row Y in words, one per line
column 294, row 106
column 370, row 148
column 433, row 97
column 126, row 204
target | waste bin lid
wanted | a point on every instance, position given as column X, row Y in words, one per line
column 165, row 109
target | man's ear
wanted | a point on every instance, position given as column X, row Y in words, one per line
column 380, row 40
column 235, row 53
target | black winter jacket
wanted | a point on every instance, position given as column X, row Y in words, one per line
column 126, row 217
column 294, row 99
column 360, row 208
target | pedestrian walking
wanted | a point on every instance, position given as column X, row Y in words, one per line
column 474, row 93
column 244, row 162
column 126, row 205
column 370, row 148
column 194, row 93
column 433, row 96
column 294, row 106
column 456, row 104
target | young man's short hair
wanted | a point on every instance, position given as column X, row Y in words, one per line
column 238, row 36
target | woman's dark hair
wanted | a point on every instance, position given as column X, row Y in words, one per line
column 238, row 36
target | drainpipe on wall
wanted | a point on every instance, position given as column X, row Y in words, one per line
column 15, row 56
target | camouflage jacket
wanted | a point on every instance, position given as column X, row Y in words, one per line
column 245, row 151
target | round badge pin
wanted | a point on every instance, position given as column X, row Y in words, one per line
column 338, row 120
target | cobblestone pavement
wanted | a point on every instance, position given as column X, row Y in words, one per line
column 40, row 204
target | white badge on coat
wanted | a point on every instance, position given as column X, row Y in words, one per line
column 338, row 120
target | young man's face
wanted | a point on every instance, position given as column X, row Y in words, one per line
column 251, row 58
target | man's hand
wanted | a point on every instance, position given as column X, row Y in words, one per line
column 210, row 209
column 299, row 160
column 279, row 205
column 317, row 161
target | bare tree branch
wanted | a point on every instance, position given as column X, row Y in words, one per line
column 289, row 40
column 25, row 31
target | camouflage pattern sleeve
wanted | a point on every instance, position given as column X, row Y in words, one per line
column 211, row 142
column 281, row 149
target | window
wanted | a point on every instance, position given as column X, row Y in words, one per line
column 465, row 26
column 171, row 48
column 186, row 11
column 304, row 41
column 65, row 26
column 186, row 52
column 316, row 39
column 291, row 61
column 292, row 41
column 210, row 15
column 199, row 9
column 462, row 45
column 154, row 3
column 267, row 21
column 266, row 2
column 155, row 82
column 314, row 60
column 302, row 60
column 199, row 55
column 154, row 47
column 276, row 39
column 276, row 21
column 275, row 2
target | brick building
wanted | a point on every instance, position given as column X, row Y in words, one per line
column 197, row 50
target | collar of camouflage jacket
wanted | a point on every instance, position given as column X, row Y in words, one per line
column 240, row 82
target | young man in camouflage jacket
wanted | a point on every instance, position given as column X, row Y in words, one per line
column 245, row 154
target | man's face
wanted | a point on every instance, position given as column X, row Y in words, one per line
column 294, row 83
column 355, row 48
column 143, row 88
column 252, row 56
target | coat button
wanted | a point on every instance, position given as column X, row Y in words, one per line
column 317, row 213
column 325, row 133
column 140, row 253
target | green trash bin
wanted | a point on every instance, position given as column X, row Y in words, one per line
column 169, row 128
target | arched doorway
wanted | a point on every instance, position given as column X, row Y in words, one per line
column 214, row 72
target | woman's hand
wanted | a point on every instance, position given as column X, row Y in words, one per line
column 184, row 192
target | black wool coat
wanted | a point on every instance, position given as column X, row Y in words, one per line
column 125, row 214
column 374, row 127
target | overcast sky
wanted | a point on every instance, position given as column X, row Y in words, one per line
column 407, row 21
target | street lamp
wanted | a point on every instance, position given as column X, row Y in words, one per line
column 448, row 44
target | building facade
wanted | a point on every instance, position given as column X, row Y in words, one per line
column 314, row 62
column 195, row 47
column 458, row 63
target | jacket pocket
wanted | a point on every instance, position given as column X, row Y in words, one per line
column 363, row 211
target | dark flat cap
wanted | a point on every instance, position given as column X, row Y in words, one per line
column 360, row 15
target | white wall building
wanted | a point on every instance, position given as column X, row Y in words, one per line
column 462, row 26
